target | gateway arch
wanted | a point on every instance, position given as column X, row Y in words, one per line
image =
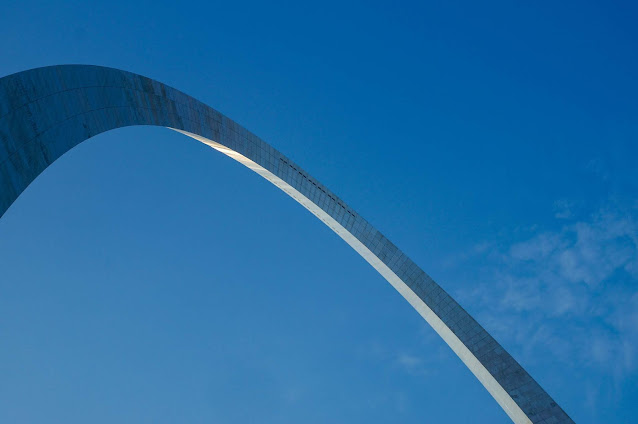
column 45, row 112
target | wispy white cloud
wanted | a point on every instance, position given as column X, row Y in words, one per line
column 570, row 292
column 412, row 364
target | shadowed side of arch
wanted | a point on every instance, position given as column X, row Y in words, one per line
column 45, row 112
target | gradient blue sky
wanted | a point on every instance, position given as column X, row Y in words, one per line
column 148, row 279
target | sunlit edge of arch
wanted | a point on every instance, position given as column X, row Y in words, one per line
column 506, row 402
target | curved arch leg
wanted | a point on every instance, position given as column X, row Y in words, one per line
column 45, row 112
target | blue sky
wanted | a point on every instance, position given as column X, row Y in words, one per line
column 148, row 279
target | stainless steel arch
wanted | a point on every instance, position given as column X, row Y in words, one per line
column 45, row 112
